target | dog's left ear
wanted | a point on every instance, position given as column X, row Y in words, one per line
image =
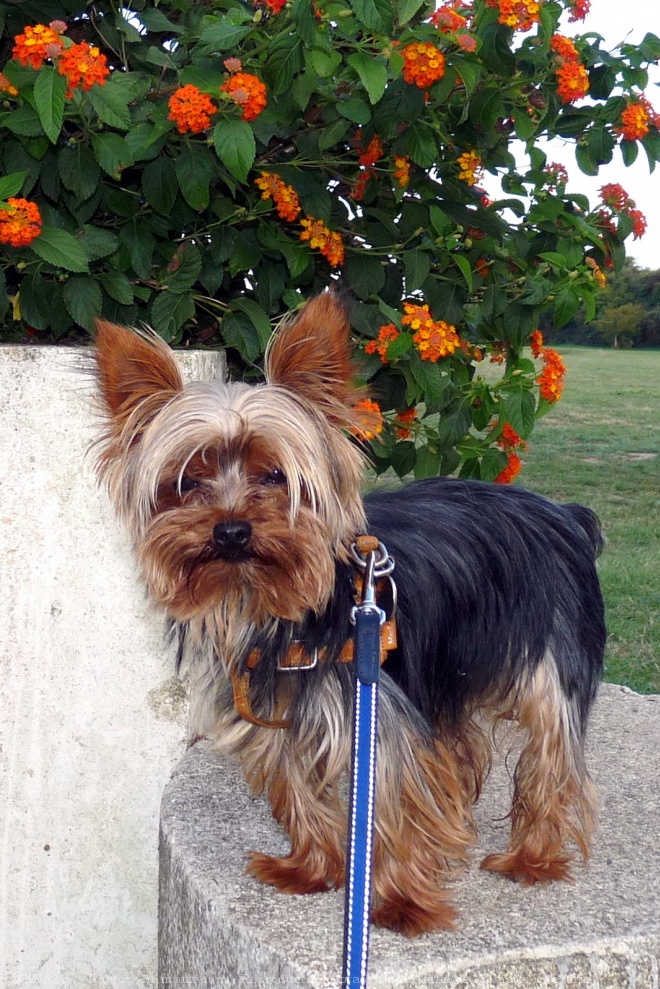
column 312, row 356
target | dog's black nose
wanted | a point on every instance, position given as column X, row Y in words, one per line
column 232, row 537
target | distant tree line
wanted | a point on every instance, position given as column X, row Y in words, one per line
column 628, row 313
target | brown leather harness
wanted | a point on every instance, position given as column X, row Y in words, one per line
column 298, row 657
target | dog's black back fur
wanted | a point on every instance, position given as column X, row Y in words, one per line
column 489, row 578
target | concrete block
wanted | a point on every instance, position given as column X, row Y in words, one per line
column 92, row 720
column 220, row 929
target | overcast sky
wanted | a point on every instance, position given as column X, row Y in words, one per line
column 619, row 21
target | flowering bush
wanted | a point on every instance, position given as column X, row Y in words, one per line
column 205, row 167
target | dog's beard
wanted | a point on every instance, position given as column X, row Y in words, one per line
column 285, row 571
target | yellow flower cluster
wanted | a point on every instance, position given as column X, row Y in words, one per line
column 320, row 238
column 470, row 170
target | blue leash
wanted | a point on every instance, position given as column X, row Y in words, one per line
column 367, row 618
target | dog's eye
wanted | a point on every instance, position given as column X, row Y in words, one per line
column 187, row 483
column 274, row 476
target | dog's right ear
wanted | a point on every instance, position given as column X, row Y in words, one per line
column 133, row 371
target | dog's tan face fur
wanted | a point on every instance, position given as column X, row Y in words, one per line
column 239, row 498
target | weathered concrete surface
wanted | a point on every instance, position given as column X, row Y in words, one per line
column 91, row 720
column 221, row 929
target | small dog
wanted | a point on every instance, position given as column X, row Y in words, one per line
column 243, row 502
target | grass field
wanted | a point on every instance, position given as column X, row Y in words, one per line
column 601, row 446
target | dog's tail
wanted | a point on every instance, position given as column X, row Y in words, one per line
column 590, row 522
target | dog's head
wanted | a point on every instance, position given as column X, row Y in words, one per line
column 239, row 497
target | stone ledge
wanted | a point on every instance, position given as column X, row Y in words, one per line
column 219, row 928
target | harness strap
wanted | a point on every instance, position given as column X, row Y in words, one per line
column 297, row 658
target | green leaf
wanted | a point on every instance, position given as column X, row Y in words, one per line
column 49, row 90
column 454, row 422
column 372, row 73
column 35, row 301
column 492, row 464
column 111, row 103
column 235, row 146
column 117, row 286
column 325, row 62
column 61, row 249
column 222, row 36
column 24, row 120
column 285, row 61
column 463, row 265
column 376, row 15
column 238, row 331
column 10, row 185
column 629, row 152
column 355, row 109
column 160, row 186
column 427, row 463
column 83, row 299
column 169, row 312
column 139, row 243
column 404, row 456
column 78, row 170
column 567, row 304
column 584, row 160
column 4, row 298
column 601, row 145
column 183, row 270
column 405, row 10
column 333, row 134
column 257, row 317
column 112, row 153
column 417, row 265
column 156, row 21
column 365, row 274
column 194, row 170
column 421, row 144
column 97, row 243
column 518, row 409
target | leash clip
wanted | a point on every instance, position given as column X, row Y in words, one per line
column 372, row 558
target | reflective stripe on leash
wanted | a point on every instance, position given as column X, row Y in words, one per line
column 368, row 618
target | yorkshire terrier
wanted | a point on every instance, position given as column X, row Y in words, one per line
column 243, row 502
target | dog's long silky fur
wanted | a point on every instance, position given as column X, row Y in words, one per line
column 500, row 616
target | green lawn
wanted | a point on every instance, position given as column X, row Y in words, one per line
column 601, row 446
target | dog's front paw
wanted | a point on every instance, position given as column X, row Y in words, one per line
column 293, row 874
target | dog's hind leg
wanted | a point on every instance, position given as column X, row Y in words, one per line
column 554, row 800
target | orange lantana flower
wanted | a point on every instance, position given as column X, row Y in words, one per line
column 372, row 152
column 424, row 64
column 284, row 196
column 635, row 122
column 84, row 66
column 520, row 15
column 536, row 343
column 36, row 44
column 402, row 170
column 551, row 378
column 403, row 419
column 20, row 224
column 191, row 110
column 6, row 86
column 320, row 238
column 433, row 338
column 248, row 92
column 370, row 419
column 511, row 471
column 572, row 82
column 379, row 346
